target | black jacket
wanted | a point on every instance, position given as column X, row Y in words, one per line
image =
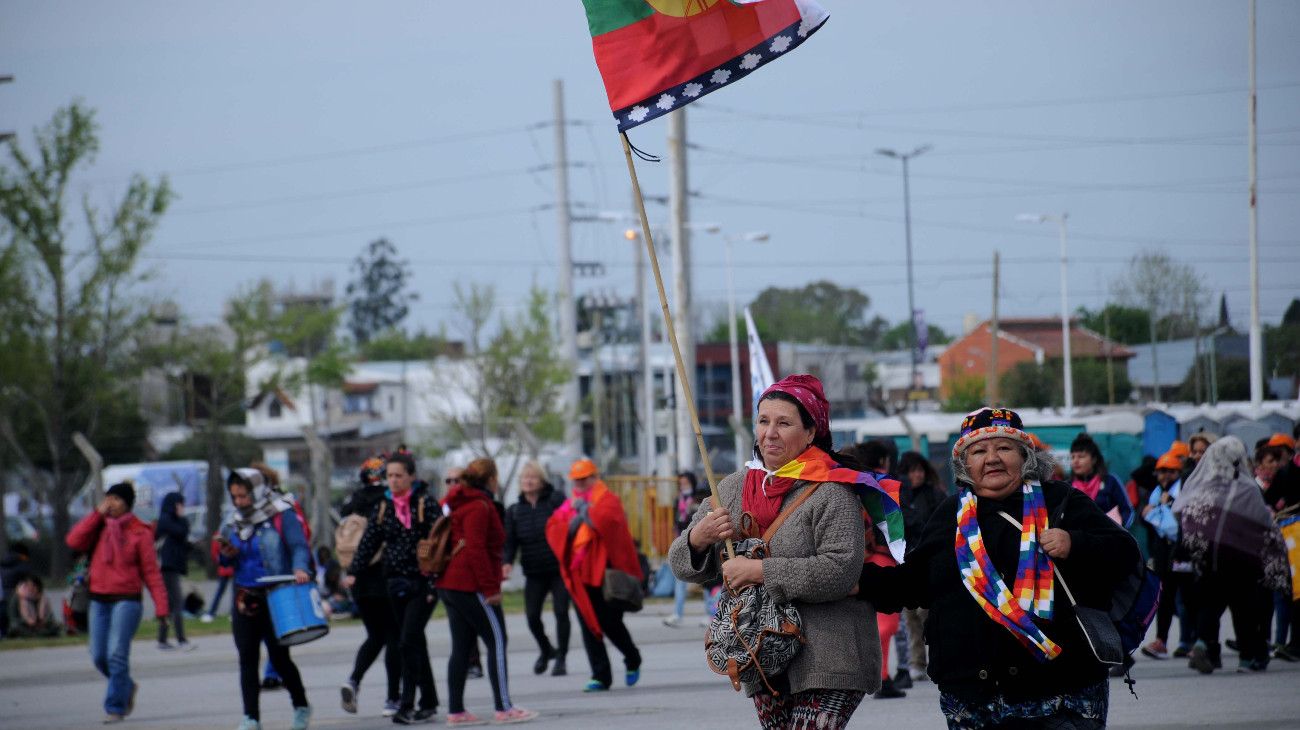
column 365, row 501
column 526, row 533
column 174, row 531
column 918, row 504
column 398, row 541
column 971, row 655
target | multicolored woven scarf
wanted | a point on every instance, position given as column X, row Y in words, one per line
column 1031, row 595
column 878, row 494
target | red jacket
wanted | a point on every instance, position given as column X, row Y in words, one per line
column 133, row 567
column 477, row 538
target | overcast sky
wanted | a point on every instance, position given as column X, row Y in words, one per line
column 296, row 132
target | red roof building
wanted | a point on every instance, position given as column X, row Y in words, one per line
column 1021, row 340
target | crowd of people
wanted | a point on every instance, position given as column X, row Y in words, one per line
column 988, row 601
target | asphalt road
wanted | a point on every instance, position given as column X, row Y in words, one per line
column 58, row 688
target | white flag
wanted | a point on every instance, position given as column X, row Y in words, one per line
column 760, row 371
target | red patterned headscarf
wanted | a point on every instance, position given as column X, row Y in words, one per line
column 808, row 391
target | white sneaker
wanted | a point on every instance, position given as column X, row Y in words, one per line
column 205, row 618
column 673, row 621
column 186, row 646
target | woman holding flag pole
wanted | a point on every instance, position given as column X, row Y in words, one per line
column 795, row 483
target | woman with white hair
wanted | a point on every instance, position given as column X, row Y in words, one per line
column 1005, row 648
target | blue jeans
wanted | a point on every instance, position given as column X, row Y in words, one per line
column 679, row 599
column 112, row 627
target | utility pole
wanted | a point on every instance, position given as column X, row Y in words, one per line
column 915, row 384
column 597, row 383
column 682, row 320
column 568, row 311
column 1256, row 337
column 991, row 387
column 647, row 447
column 1110, row 365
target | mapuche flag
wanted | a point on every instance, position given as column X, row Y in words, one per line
column 658, row 55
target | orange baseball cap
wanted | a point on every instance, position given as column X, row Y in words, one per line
column 1170, row 461
column 1281, row 439
column 582, row 468
column 1179, row 449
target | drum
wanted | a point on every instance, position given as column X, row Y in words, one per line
column 296, row 612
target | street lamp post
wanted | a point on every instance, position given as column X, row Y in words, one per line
column 737, row 426
column 1065, row 307
column 907, row 227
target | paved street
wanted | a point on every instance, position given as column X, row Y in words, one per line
column 57, row 688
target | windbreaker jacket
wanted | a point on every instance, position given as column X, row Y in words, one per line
column 133, row 567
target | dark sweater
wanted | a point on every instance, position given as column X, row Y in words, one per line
column 918, row 505
column 174, row 531
column 365, row 501
column 971, row 655
column 526, row 533
column 398, row 541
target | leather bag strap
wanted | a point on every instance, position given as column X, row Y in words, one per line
column 789, row 509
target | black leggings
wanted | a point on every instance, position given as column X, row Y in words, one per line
column 413, row 602
column 470, row 617
column 611, row 624
column 1172, row 587
column 250, row 632
column 381, row 635
column 175, row 601
column 1251, row 605
column 535, row 590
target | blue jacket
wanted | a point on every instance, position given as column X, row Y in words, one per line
column 1112, row 495
column 278, row 551
column 174, row 531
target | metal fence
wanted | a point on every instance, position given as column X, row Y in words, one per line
column 648, row 502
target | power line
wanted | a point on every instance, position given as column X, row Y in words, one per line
column 1022, row 232
column 372, row 228
column 354, row 192
column 1024, row 104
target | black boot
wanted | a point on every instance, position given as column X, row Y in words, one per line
column 539, row 666
column 903, row 679
column 888, row 691
column 558, row 669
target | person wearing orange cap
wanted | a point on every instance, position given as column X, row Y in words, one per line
column 590, row 536
column 1167, row 562
column 1283, row 497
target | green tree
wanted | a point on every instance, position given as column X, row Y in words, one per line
column 1127, row 325
column 75, row 310
column 514, row 377
column 236, row 450
column 395, row 344
column 899, row 337
column 965, row 394
column 817, row 312
column 377, row 297
column 1030, row 385
column 1282, row 344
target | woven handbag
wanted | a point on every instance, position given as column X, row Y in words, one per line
column 752, row 637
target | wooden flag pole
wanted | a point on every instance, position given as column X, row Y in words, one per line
column 672, row 334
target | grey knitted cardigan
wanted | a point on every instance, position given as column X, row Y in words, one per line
column 816, row 560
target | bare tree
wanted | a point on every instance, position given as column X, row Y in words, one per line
column 1172, row 293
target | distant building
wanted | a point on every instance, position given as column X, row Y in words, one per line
column 1020, row 340
column 1174, row 359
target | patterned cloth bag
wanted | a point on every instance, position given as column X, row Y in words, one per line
column 752, row 637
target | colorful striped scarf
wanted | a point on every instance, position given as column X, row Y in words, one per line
column 878, row 493
column 1031, row 596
